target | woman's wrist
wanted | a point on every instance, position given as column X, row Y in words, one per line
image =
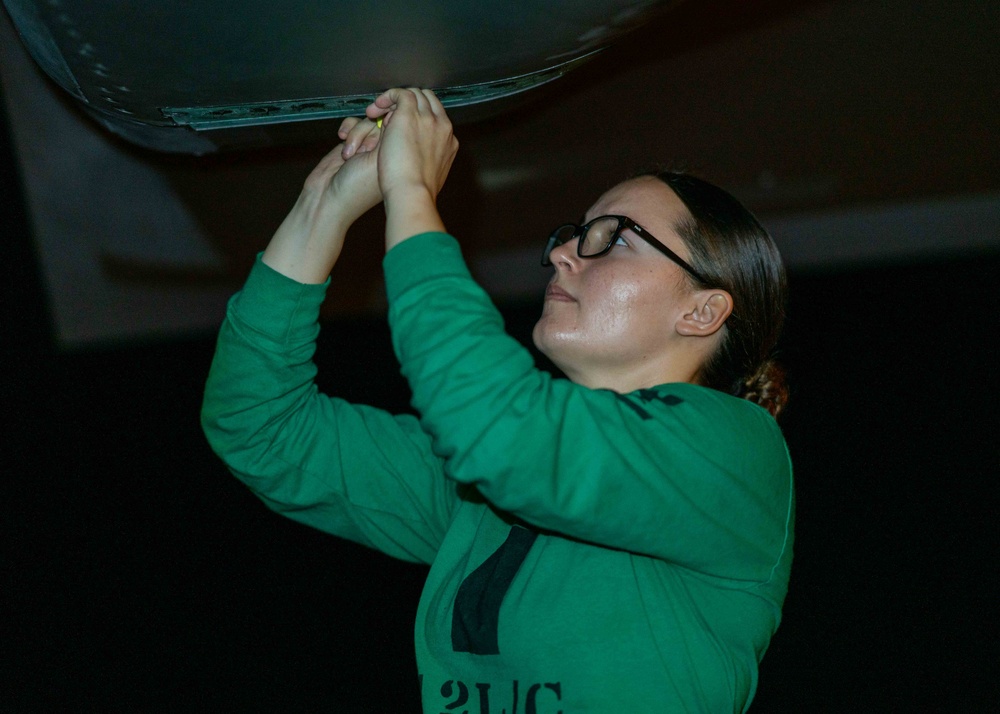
column 409, row 211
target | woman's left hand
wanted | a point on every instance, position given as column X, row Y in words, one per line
column 417, row 146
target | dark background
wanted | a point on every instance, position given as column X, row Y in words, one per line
column 139, row 575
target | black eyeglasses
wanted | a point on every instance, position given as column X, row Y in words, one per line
column 598, row 236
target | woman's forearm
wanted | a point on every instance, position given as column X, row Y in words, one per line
column 307, row 244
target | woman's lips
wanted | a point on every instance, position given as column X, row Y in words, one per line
column 554, row 292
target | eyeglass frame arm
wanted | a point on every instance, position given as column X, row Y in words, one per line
column 624, row 222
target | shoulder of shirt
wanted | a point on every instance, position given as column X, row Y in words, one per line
column 682, row 399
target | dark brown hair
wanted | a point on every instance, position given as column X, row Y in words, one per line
column 730, row 248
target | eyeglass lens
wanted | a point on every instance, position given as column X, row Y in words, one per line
column 597, row 235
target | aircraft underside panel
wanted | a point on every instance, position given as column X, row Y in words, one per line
column 192, row 76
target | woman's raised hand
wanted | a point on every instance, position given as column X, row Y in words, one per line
column 415, row 154
column 342, row 187
column 418, row 150
column 359, row 135
column 406, row 162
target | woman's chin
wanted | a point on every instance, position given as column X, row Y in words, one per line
column 555, row 346
column 546, row 338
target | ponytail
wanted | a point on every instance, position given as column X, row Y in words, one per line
column 767, row 388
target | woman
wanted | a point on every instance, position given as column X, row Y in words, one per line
column 619, row 541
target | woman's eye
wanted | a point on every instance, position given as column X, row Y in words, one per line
column 621, row 241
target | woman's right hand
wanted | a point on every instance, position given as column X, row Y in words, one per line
column 342, row 187
column 346, row 180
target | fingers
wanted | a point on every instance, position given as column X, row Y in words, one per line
column 434, row 103
column 398, row 98
column 346, row 126
column 423, row 105
column 389, row 99
column 359, row 135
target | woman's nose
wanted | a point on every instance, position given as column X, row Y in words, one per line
column 564, row 256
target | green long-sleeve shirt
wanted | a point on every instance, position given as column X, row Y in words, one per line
column 589, row 551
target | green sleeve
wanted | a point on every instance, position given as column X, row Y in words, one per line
column 679, row 472
column 350, row 470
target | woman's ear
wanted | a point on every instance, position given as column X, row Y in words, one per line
column 707, row 314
